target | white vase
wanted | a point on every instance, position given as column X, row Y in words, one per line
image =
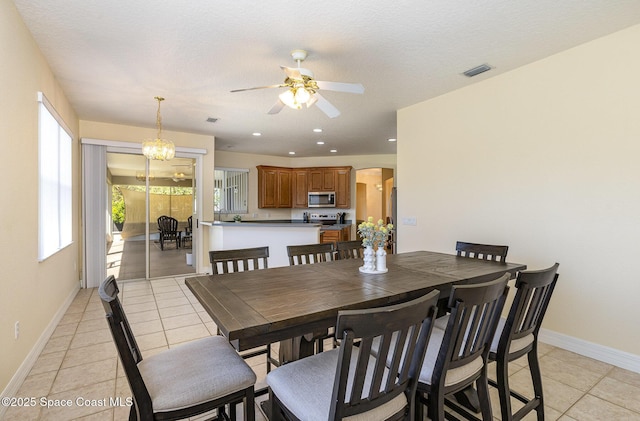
column 369, row 259
column 381, row 259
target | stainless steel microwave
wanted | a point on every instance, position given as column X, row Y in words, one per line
column 322, row 199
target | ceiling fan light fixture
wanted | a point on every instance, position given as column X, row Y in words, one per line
column 158, row 149
column 288, row 97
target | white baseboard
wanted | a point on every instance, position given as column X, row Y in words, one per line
column 18, row 378
column 598, row 352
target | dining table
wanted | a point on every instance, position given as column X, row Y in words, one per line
column 255, row 308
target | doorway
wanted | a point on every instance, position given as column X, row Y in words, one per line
column 373, row 194
column 134, row 249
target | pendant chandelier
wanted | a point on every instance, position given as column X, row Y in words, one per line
column 158, row 149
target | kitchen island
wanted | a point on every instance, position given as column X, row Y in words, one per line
column 276, row 235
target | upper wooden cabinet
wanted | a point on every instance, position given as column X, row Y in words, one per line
column 299, row 190
column 322, row 179
column 288, row 187
column 274, row 187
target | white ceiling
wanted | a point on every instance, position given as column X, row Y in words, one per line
column 112, row 57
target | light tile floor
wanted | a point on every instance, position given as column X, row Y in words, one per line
column 80, row 361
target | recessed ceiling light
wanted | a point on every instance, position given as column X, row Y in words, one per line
column 320, row 142
column 318, row 130
column 257, row 134
column 333, row 150
column 392, row 139
column 292, row 153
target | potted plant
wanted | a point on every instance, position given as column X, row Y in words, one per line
column 237, row 218
column 118, row 210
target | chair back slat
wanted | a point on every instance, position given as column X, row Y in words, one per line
column 349, row 250
column 482, row 251
column 310, row 253
column 400, row 334
column 239, row 260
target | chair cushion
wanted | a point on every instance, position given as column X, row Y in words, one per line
column 305, row 387
column 454, row 375
column 516, row 344
column 194, row 373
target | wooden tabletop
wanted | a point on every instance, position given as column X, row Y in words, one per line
column 258, row 307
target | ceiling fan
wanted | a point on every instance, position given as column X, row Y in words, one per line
column 303, row 89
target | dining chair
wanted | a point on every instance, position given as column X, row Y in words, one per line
column 517, row 335
column 457, row 357
column 228, row 261
column 349, row 250
column 310, row 253
column 482, row 251
column 349, row 381
column 188, row 232
column 168, row 228
column 303, row 255
column 183, row 381
column 241, row 260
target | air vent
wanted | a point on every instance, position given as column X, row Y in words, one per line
column 212, row 120
column 477, row 70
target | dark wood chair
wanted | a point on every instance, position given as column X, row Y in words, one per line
column 349, row 250
column 517, row 335
column 168, row 228
column 482, row 251
column 183, row 381
column 240, row 260
column 349, row 380
column 310, row 253
column 188, row 232
column 457, row 356
column 303, row 255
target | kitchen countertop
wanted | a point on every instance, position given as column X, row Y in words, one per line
column 277, row 223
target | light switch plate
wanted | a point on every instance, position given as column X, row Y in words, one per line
column 409, row 220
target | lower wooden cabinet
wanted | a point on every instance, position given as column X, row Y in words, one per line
column 331, row 236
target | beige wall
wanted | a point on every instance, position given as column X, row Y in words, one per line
column 32, row 292
column 545, row 159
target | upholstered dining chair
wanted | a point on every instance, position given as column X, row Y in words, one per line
column 310, row 253
column 180, row 382
column 517, row 335
column 457, row 356
column 168, row 228
column 482, row 251
column 241, row 260
column 349, row 381
column 349, row 250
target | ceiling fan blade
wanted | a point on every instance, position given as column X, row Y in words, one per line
column 292, row 72
column 353, row 88
column 259, row 87
column 312, row 101
column 326, row 106
column 277, row 107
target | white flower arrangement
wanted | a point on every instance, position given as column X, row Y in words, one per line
column 374, row 234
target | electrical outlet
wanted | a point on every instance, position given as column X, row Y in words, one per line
column 409, row 220
column 17, row 330
column 255, row 215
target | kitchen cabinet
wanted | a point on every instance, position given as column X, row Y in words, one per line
column 322, row 179
column 280, row 187
column 299, row 178
column 343, row 187
column 274, row 187
column 333, row 235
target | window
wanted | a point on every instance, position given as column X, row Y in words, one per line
column 54, row 164
column 230, row 190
